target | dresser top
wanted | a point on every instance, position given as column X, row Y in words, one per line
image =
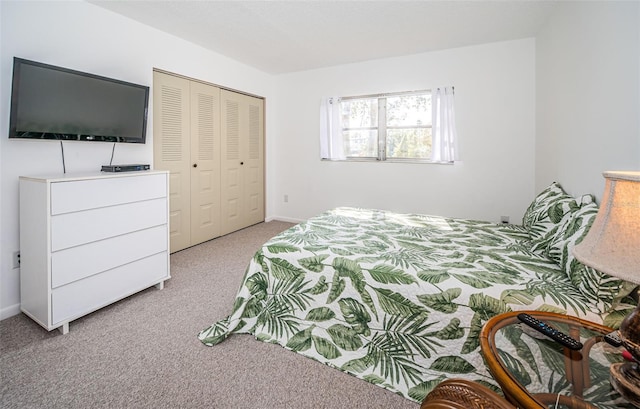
column 66, row 177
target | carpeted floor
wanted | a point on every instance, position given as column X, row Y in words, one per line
column 143, row 351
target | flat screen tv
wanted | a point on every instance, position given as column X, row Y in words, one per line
column 49, row 102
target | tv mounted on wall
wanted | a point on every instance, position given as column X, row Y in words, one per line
column 55, row 103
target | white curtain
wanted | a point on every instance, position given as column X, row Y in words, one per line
column 444, row 146
column 331, row 145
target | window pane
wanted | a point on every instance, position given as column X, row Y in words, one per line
column 361, row 144
column 409, row 110
column 359, row 113
column 409, row 143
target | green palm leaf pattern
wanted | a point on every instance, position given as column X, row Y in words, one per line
column 388, row 274
column 392, row 360
column 399, row 300
column 300, row 341
column 337, row 287
column 356, row 315
column 420, row 391
column 443, row 302
column 344, row 337
column 472, row 342
column 411, row 333
column 514, row 335
column 315, row 263
column 453, row 365
column 516, row 368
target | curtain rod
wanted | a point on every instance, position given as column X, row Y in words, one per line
column 391, row 94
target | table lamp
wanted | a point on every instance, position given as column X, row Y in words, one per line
column 612, row 246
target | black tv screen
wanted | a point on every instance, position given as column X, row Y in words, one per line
column 49, row 102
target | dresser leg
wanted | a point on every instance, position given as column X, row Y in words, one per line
column 160, row 285
column 64, row 329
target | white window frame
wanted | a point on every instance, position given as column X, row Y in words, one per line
column 382, row 127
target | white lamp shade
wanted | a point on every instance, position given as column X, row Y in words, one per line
column 612, row 244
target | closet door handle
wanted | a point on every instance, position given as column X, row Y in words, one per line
column 195, row 165
column 242, row 163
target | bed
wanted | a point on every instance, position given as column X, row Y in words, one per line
column 399, row 300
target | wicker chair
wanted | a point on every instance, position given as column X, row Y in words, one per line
column 463, row 394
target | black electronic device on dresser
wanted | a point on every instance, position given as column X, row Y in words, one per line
column 125, row 168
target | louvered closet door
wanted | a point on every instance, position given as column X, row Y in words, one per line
column 242, row 186
column 171, row 151
column 205, row 169
column 254, row 163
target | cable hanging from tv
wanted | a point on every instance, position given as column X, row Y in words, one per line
column 64, row 167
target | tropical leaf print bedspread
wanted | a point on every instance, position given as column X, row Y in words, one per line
column 398, row 300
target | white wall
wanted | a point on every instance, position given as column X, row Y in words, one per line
column 85, row 37
column 495, row 113
column 588, row 95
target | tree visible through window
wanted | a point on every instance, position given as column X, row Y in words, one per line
column 394, row 126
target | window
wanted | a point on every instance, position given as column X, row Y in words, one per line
column 387, row 127
column 390, row 127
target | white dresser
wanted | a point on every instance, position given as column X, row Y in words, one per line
column 88, row 240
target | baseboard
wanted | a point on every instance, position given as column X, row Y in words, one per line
column 9, row 311
column 283, row 219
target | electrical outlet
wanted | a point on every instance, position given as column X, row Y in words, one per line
column 16, row 259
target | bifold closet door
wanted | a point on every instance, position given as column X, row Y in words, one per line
column 242, row 159
column 187, row 143
column 171, row 151
column 205, row 158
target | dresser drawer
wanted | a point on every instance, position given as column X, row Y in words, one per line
column 94, row 193
column 81, row 297
column 78, row 262
column 73, row 229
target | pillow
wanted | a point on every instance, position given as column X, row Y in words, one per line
column 570, row 232
column 544, row 215
column 593, row 284
column 587, row 199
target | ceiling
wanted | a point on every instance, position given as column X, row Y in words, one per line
column 286, row 36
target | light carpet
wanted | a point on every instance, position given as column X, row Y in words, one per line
column 143, row 351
